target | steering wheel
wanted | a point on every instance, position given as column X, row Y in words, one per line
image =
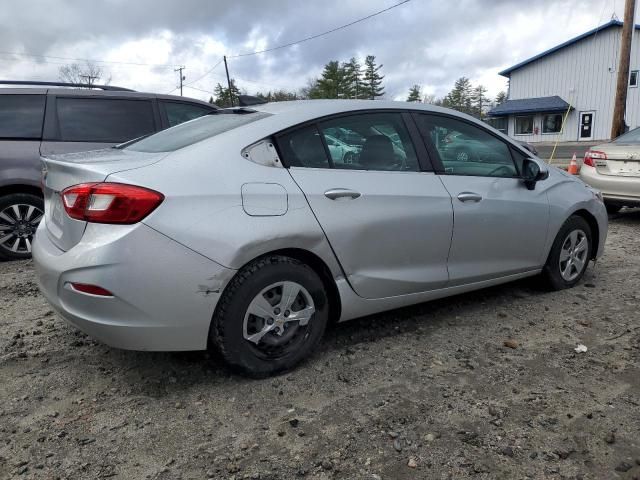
column 507, row 170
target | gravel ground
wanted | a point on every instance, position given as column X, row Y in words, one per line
column 483, row 385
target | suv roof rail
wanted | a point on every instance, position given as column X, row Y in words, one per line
column 65, row 84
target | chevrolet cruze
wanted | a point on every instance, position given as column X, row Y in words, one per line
column 242, row 232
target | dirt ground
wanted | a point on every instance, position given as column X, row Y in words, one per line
column 429, row 392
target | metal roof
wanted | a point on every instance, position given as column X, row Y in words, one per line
column 611, row 23
column 530, row 105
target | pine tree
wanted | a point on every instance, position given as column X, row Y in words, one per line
column 223, row 98
column 352, row 78
column 415, row 95
column 479, row 99
column 372, row 79
column 332, row 83
column 501, row 97
column 460, row 98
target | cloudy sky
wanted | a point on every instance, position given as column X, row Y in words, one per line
column 428, row 42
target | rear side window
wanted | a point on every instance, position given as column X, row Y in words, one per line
column 106, row 120
column 21, row 116
column 178, row 113
column 200, row 129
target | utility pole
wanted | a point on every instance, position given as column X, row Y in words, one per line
column 89, row 79
column 228, row 80
column 182, row 77
column 620, row 103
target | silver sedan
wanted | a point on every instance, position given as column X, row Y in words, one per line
column 241, row 232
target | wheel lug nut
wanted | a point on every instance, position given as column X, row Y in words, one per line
column 269, row 321
column 277, row 311
column 286, row 313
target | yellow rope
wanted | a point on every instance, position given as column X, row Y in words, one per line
column 564, row 120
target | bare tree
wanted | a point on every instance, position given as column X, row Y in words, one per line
column 88, row 73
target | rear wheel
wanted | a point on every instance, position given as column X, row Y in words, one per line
column 270, row 317
column 20, row 214
column 570, row 254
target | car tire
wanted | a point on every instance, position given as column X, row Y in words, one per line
column 21, row 224
column 612, row 207
column 569, row 257
column 239, row 336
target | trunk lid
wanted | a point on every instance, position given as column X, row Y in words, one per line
column 62, row 171
column 622, row 160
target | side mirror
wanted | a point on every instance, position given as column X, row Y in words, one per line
column 533, row 171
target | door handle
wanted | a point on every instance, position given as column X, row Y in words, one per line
column 469, row 197
column 336, row 193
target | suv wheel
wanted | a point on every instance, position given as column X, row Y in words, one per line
column 271, row 316
column 20, row 214
column 570, row 254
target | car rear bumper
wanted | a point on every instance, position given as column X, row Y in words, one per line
column 164, row 294
column 619, row 189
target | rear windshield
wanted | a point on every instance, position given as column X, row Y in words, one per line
column 630, row 137
column 194, row 131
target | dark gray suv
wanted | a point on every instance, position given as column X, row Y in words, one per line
column 46, row 121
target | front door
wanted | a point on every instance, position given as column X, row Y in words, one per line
column 388, row 222
column 500, row 227
column 586, row 125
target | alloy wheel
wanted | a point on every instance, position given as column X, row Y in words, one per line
column 574, row 253
column 18, row 224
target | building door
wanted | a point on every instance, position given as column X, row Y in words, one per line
column 586, row 125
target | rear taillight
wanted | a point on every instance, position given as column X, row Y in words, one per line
column 91, row 289
column 591, row 155
column 109, row 202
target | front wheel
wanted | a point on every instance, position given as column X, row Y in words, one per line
column 570, row 254
column 20, row 214
column 270, row 317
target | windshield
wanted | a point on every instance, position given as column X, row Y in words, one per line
column 630, row 137
column 193, row 131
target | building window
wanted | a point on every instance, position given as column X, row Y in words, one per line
column 499, row 123
column 524, row 125
column 633, row 78
column 552, row 123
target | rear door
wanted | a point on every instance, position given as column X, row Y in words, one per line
column 388, row 221
column 500, row 227
column 86, row 122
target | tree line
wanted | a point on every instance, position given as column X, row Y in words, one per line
column 350, row 79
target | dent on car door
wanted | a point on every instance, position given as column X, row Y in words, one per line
column 500, row 226
column 388, row 222
column 77, row 124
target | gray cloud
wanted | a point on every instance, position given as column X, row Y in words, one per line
column 428, row 42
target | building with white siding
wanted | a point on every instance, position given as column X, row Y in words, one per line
column 576, row 79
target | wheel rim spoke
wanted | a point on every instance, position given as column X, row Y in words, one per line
column 573, row 255
column 36, row 220
column 16, row 244
column 303, row 316
column 290, row 292
column 6, row 238
column 16, row 211
column 28, row 244
column 256, row 337
column 564, row 255
column 7, row 218
column 260, row 307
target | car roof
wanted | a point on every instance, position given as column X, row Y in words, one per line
column 75, row 92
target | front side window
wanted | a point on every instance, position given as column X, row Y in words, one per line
column 552, row 123
column 371, row 141
column 524, row 125
column 107, row 120
column 21, row 116
column 178, row 112
column 466, row 149
column 633, row 78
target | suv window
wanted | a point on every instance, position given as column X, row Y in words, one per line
column 21, row 116
column 178, row 112
column 106, row 120
column 371, row 141
column 465, row 149
column 184, row 135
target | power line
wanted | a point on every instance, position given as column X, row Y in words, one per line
column 20, row 54
column 312, row 37
column 205, row 74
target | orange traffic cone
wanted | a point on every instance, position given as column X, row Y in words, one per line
column 573, row 166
